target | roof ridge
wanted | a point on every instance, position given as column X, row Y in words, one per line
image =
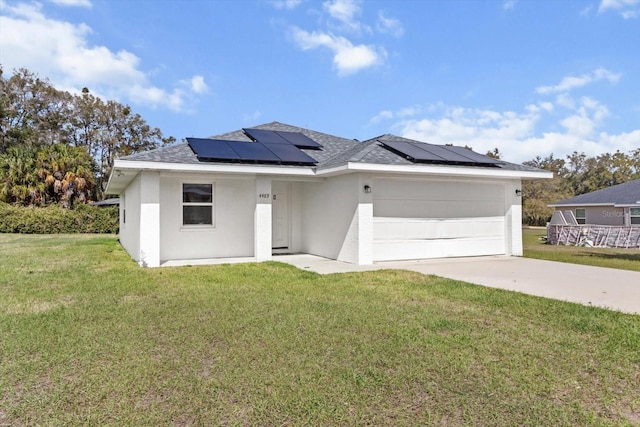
column 366, row 149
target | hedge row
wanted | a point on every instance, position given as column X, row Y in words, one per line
column 54, row 219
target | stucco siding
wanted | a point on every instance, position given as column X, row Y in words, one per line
column 513, row 217
column 329, row 209
column 232, row 232
column 130, row 219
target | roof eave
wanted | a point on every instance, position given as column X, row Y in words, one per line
column 613, row 204
column 572, row 205
column 462, row 171
column 124, row 171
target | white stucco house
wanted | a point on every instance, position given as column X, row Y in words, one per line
column 241, row 195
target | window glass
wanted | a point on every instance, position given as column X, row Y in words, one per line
column 196, row 193
column 197, row 204
column 635, row 216
column 581, row 216
column 192, row 215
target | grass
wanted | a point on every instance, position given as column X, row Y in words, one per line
column 88, row 338
column 625, row 259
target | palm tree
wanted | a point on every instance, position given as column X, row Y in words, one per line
column 67, row 173
column 56, row 173
column 19, row 180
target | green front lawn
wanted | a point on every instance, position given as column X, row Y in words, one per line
column 625, row 259
column 88, row 338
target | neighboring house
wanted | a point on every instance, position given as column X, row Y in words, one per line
column 616, row 205
column 276, row 188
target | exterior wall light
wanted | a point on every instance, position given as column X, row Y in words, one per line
column 367, row 189
column 518, row 192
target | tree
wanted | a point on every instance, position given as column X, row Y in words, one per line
column 538, row 193
column 494, row 154
column 19, row 181
column 108, row 130
column 67, row 173
column 56, row 173
column 33, row 113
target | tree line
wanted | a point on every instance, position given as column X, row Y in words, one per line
column 57, row 147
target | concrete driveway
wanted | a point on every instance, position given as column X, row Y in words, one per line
column 603, row 287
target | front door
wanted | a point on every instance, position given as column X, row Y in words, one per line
column 280, row 215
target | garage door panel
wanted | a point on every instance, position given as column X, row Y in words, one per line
column 416, row 219
column 396, row 250
column 411, row 229
column 437, row 208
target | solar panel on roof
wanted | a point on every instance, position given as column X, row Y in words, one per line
column 248, row 152
column 267, row 136
column 298, row 139
column 445, row 154
column 473, row 156
column 212, row 149
column 253, row 152
column 411, row 152
column 290, row 154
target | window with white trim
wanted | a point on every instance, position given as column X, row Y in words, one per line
column 634, row 213
column 197, row 204
column 581, row 216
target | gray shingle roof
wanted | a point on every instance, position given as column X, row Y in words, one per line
column 372, row 151
column 336, row 151
column 332, row 146
column 621, row 194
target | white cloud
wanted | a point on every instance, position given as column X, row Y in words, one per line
column 197, row 85
column 343, row 17
column 62, row 52
column 345, row 11
column 627, row 8
column 72, row 3
column 509, row 4
column 348, row 58
column 572, row 82
column 564, row 100
column 285, row 4
column 479, row 128
column 381, row 116
column 389, row 25
column 518, row 135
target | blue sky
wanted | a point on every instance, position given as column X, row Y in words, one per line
column 530, row 77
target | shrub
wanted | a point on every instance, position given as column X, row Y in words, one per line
column 54, row 219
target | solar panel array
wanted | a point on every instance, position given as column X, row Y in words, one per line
column 419, row 152
column 296, row 139
column 249, row 152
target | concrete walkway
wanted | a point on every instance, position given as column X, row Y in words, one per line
column 603, row 287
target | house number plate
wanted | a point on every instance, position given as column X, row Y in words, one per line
column 264, row 196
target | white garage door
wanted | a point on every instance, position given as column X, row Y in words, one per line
column 436, row 219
